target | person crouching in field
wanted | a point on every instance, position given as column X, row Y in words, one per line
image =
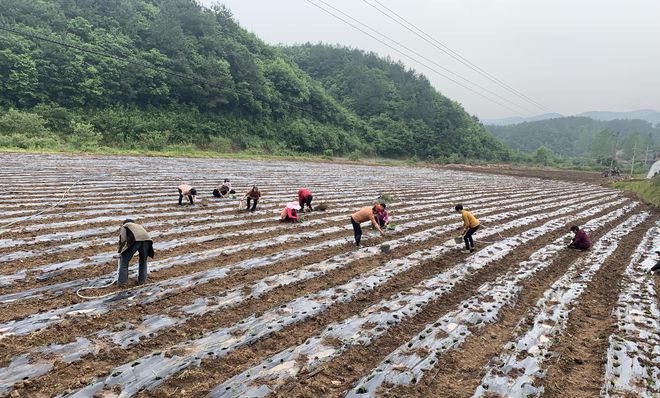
column 224, row 190
column 290, row 212
column 470, row 226
column 133, row 238
column 252, row 195
column 189, row 191
column 363, row 215
column 383, row 217
column 305, row 197
column 580, row 241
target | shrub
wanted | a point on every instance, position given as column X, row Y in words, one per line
column 83, row 136
column 220, row 144
column 25, row 123
column 354, row 156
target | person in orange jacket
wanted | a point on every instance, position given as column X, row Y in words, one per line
column 290, row 212
column 363, row 215
column 305, row 197
column 470, row 226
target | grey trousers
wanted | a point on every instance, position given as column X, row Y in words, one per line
column 142, row 248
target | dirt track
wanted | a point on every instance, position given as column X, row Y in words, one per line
column 239, row 304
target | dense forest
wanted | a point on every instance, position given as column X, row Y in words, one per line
column 581, row 137
column 161, row 74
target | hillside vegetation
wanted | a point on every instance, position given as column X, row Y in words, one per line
column 580, row 137
column 211, row 85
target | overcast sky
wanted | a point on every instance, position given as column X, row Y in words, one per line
column 570, row 56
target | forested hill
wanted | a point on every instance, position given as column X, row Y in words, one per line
column 409, row 114
column 579, row 136
column 210, row 85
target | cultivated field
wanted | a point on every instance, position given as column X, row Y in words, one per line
column 238, row 304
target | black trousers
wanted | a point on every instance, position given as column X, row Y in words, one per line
column 467, row 238
column 181, row 197
column 254, row 205
column 357, row 230
column 307, row 200
column 143, row 249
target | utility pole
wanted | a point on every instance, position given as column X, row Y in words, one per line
column 632, row 166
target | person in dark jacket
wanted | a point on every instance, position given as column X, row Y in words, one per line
column 252, row 195
column 133, row 238
column 580, row 240
column 656, row 268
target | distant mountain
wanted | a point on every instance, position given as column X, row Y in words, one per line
column 574, row 135
column 649, row 115
column 517, row 119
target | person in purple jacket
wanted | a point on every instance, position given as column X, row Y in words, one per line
column 580, row 240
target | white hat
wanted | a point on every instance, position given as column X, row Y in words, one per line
column 293, row 205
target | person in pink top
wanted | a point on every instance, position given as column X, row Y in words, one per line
column 290, row 212
column 187, row 190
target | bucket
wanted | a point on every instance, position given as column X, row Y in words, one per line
column 458, row 239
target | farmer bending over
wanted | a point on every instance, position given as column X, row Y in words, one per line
column 290, row 212
column 470, row 226
column 305, row 198
column 133, row 238
column 363, row 215
column 580, row 241
column 187, row 190
column 252, row 195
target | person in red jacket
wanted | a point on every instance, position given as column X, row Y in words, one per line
column 290, row 212
column 305, row 198
column 581, row 240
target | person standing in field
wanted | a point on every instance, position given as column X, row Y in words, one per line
column 580, row 241
column 470, row 226
column 133, row 238
column 363, row 215
column 305, row 197
column 253, row 196
column 189, row 191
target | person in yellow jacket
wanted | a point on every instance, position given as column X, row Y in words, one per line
column 470, row 226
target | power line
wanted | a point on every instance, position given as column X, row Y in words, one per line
column 445, row 49
column 409, row 57
column 425, row 58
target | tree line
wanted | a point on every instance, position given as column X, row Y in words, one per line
column 209, row 84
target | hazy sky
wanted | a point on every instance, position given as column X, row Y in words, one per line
column 571, row 56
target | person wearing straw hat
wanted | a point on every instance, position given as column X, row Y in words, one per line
column 656, row 268
column 133, row 238
column 470, row 226
column 363, row 215
column 290, row 212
